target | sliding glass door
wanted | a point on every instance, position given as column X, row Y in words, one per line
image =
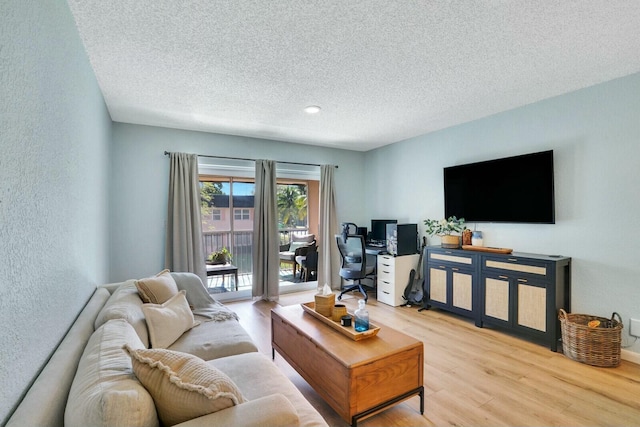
column 293, row 220
column 227, row 210
column 227, row 226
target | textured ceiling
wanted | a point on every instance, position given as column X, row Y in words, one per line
column 381, row 70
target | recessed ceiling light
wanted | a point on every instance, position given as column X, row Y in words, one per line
column 312, row 109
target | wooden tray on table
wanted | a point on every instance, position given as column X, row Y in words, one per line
column 310, row 307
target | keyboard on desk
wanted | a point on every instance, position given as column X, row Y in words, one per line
column 376, row 245
column 376, row 248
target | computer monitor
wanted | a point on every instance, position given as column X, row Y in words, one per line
column 379, row 229
column 362, row 231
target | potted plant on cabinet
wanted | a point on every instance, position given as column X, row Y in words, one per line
column 444, row 228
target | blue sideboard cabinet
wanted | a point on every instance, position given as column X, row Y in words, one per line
column 519, row 292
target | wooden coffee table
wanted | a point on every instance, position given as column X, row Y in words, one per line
column 356, row 378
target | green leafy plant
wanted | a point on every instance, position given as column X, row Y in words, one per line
column 221, row 256
column 443, row 227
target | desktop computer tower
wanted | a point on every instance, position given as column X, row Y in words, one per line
column 402, row 239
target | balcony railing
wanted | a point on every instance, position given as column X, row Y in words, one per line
column 240, row 244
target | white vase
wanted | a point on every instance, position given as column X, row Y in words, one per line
column 476, row 238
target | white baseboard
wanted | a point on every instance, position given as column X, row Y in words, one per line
column 630, row 356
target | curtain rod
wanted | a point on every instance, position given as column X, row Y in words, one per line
column 166, row 153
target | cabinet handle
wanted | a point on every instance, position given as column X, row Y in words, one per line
column 385, row 292
column 522, row 280
column 441, row 266
column 504, row 277
column 455, row 269
column 512, row 259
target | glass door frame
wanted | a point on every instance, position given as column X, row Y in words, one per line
column 231, row 236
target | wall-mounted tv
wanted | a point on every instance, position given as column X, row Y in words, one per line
column 513, row 189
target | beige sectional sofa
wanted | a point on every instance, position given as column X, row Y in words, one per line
column 91, row 379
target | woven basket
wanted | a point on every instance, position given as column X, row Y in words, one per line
column 593, row 346
column 339, row 310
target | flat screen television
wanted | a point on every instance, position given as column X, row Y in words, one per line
column 379, row 229
column 513, row 189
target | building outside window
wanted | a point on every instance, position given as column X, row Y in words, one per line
column 240, row 214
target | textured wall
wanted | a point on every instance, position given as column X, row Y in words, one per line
column 594, row 135
column 54, row 157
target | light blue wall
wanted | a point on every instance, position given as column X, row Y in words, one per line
column 595, row 135
column 140, row 182
column 54, row 161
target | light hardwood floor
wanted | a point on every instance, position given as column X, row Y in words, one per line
column 477, row 376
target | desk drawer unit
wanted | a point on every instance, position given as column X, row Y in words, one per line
column 393, row 276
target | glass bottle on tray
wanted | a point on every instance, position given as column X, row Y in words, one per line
column 361, row 317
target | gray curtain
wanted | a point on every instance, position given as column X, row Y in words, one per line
column 184, row 249
column 266, row 259
column 329, row 257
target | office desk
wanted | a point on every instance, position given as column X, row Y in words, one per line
column 375, row 250
column 372, row 253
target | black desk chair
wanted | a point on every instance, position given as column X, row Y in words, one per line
column 297, row 248
column 309, row 266
column 354, row 263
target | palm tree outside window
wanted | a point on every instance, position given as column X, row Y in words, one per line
column 293, row 212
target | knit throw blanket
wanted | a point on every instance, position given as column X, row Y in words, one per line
column 201, row 302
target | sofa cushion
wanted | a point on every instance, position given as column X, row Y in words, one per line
column 273, row 410
column 297, row 245
column 183, row 386
column 167, row 322
column 125, row 303
column 258, row 376
column 157, row 289
column 211, row 340
column 105, row 392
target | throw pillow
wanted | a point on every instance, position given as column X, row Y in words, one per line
column 125, row 303
column 183, row 386
column 295, row 245
column 167, row 322
column 105, row 391
column 308, row 238
column 157, row 289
